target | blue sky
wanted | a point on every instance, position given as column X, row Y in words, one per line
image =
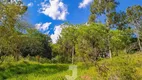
column 48, row 15
column 75, row 15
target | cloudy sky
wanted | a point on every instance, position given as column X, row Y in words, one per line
column 48, row 15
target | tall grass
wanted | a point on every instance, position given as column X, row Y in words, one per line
column 124, row 67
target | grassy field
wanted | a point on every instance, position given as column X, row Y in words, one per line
column 124, row 67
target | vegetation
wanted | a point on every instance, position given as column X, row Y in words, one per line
column 123, row 67
column 109, row 50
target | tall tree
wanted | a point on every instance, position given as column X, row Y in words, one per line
column 118, row 20
column 134, row 15
column 9, row 14
column 91, row 42
column 104, row 7
column 69, row 36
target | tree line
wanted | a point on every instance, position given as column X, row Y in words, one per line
column 17, row 37
column 120, row 32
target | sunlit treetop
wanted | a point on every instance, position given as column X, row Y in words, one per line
column 11, row 1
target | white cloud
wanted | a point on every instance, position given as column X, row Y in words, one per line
column 57, row 32
column 55, row 9
column 30, row 4
column 84, row 3
column 42, row 27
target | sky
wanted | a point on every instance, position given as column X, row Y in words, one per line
column 48, row 15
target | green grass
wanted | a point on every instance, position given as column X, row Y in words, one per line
column 124, row 67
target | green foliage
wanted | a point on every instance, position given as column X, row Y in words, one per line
column 134, row 15
column 86, row 44
column 120, row 39
column 30, row 70
column 16, row 36
column 9, row 39
column 35, row 43
column 99, row 7
column 89, row 42
column 123, row 67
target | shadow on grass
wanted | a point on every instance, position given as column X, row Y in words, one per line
column 26, row 68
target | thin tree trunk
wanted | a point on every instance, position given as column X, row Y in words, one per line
column 138, row 37
column 109, row 54
column 139, row 42
column 108, row 39
column 109, row 48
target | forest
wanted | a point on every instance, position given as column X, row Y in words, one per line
column 102, row 50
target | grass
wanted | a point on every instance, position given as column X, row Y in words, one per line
column 31, row 70
column 124, row 67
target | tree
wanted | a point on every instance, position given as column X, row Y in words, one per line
column 91, row 42
column 120, row 40
column 9, row 15
column 104, row 7
column 118, row 20
column 134, row 15
column 68, row 40
column 35, row 43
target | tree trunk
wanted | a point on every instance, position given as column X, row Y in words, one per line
column 108, row 38
column 138, row 37
column 109, row 54
column 139, row 42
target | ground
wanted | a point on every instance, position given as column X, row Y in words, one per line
column 123, row 67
